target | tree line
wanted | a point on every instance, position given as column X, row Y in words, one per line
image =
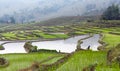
column 111, row 13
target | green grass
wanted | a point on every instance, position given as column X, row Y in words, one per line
column 50, row 36
column 80, row 33
column 116, row 33
column 53, row 60
column 46, row 36
column 112, row 40
column 9, row 35
column 82, row 59
column 60, row 35
column 18, row 61
column 44, row 32
column 31, row 35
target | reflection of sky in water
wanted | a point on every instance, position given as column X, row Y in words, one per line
column 13, row 48
column 93, row 42
column 2, row 42
column 68, row 45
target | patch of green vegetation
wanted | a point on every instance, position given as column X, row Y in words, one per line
column 60, row 35
column 50, row 36
column 80, row 33
column 81, row 59
column 53, row 60
column 47, row 36
column 87, row 31
column 31, row 35
column 107, row 68
column 106, row 30
column 112, row 40
column 9, row 35
column 1, row 47
column 20, row 61
column 116, row 33
column 43, row 32
column 112, row 60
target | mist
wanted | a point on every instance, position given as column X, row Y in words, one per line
column 45, row 9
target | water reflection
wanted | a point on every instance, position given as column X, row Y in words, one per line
column 92, row 42
column 67, row 46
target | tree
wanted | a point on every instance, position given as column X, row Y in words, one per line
column 112, row 13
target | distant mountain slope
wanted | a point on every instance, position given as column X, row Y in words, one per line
column 38, row 10
column 66, row 20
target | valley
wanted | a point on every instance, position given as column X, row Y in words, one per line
column 78, row 59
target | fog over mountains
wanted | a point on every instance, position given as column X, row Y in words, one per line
column 37, row 10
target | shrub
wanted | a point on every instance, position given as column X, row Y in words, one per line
column 29, row 47
column 1, row 47
column 113, row 55
column 3, row 62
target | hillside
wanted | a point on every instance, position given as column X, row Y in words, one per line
column 66, row 20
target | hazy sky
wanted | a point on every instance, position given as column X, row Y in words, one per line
column 68, row 7
column 14, row 5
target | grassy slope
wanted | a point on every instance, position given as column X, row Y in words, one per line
column 82, row 59
column 18, row 61
column 112, row 40
column 53, row 60
column 52, row 36
column 17, row 35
